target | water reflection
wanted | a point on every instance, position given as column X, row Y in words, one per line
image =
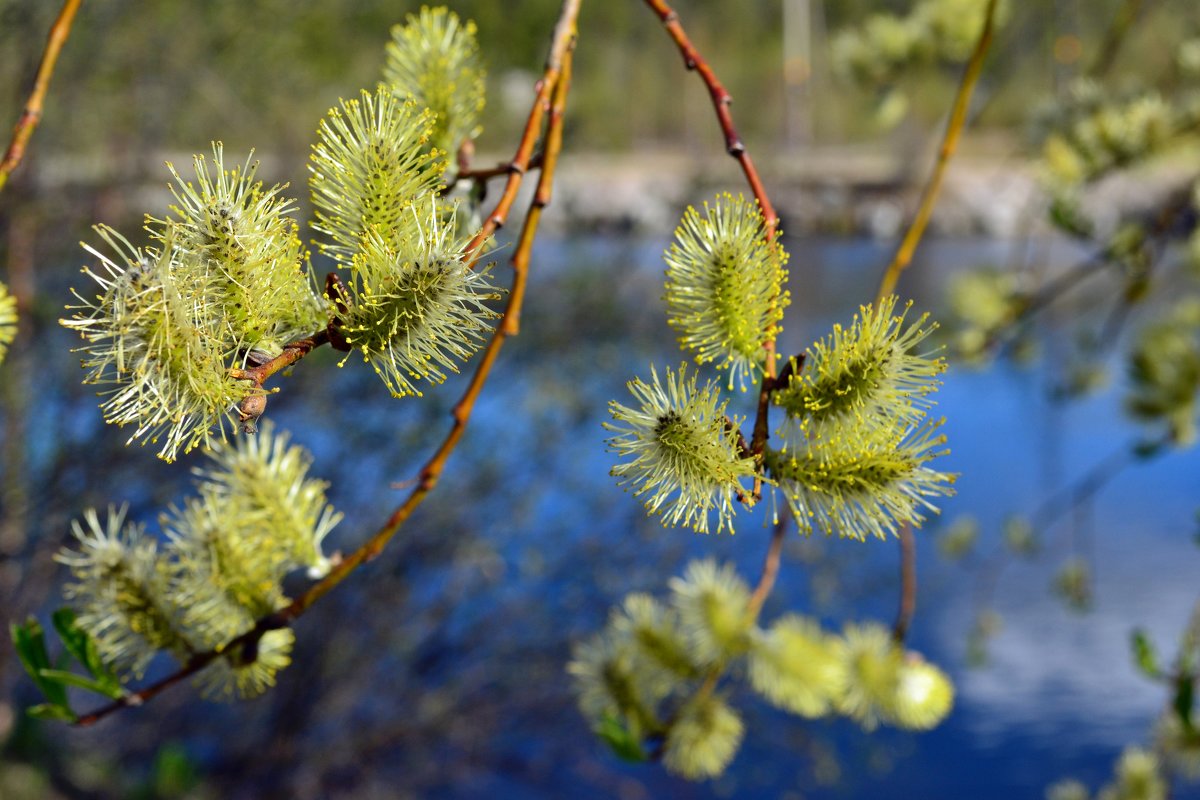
column 439, row 670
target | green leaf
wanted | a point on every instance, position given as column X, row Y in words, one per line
column 1144, row 654
column 74, row 679
column 83, row 648
column 30, row 644
column 74, row 639
column 620, row 739
column 174, row 773
column 52, row 711
column 1185, row 693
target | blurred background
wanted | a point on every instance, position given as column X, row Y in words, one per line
column 438, row 671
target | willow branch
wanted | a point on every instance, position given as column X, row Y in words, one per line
column 721, row 100
column 950, row 139
column 503, row 168
column 770, row 568
column 292, row 352
column 908, row 584
column 1106, row 257
column 31, row 115
column 1065, row 500
column 735, row 147
column 557, row 66
column 1122, row 22
column 564, row 35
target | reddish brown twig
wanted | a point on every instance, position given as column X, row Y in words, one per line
column 563, row 32
column 721, row 100
column 554, row 84
column 908, row 584
column 503, row 168
column 770, row 568
column 954, row 129
column 734, row 145
column 31, row 115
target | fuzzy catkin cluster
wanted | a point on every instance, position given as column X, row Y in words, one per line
column 224, row 285
column 724, row 287
column 641, row 678
column 1092, row 131
column 411, row 301
column 851, row 458
column 1139, row 774
column 682, row 451
column 256, row 517
column 1164, row 371
column 983, row 302
column 434, row 59
column 177, row 329
column 856, row 437
column 412, row 304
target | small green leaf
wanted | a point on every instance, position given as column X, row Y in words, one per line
column 1185, row 693
column 73, row 639
column 30, row 644
column 83, row 648
column 623, row 742
column 52, row 711
column 74, row 679
column 1144, row 654
column 174, row 773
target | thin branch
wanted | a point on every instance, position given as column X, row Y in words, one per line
column 1108, row 256
column 721, row 100
column 557, row 66
column 766, row 582
column 1117, row 32
column 908, row 584
column 564, row 33
column 734, row 146
column 511, row 325
column 487, row 173
column 770, row 568
column 292, row 352
column 32, row 113
column 954, row 129
column 1061, row 502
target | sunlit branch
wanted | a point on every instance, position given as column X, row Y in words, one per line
column 31, row 115
column 550, row 101
column 950, row 139
column 721, row 101
column 564, row 33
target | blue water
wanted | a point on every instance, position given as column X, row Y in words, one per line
column 438, row 671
